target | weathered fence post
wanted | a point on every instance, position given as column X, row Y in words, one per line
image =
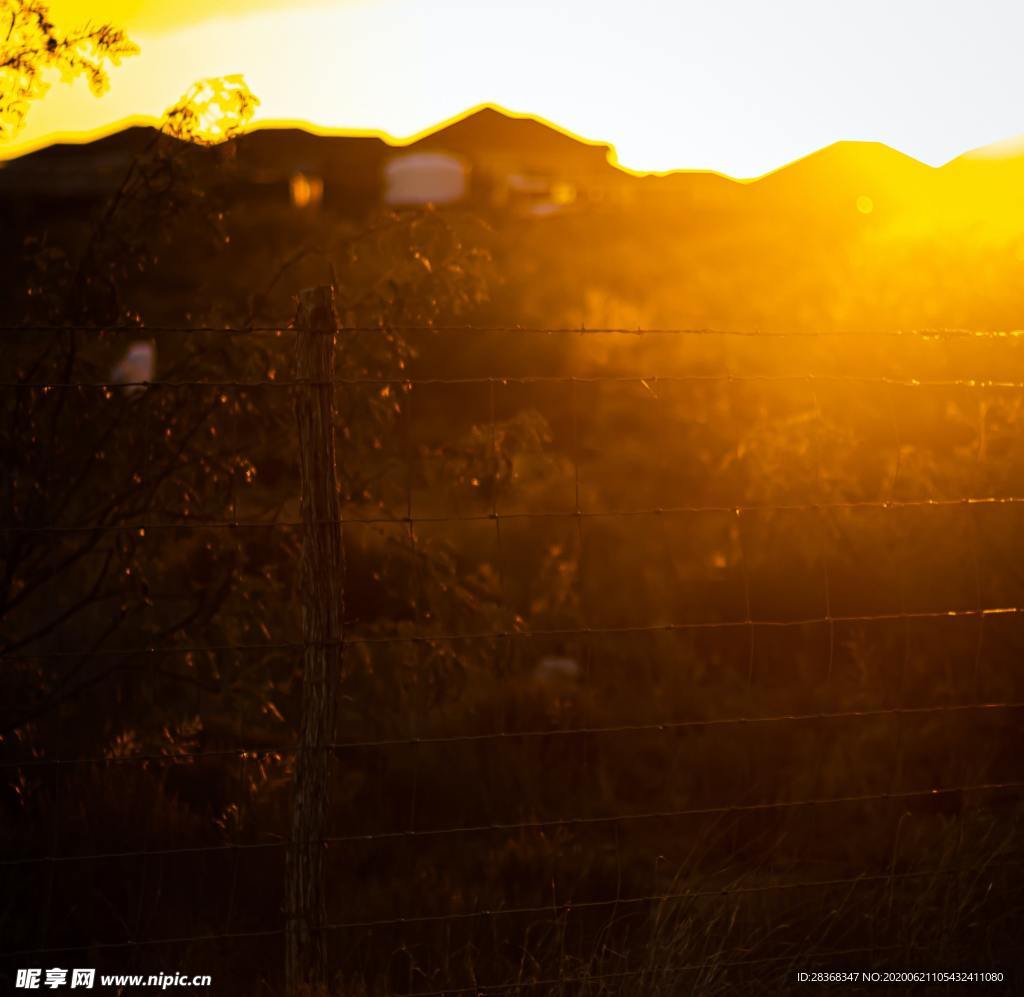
column 322, row 622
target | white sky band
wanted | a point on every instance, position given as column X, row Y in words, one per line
column 738, row 86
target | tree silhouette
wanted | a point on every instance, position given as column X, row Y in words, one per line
column 31, row 46
column 211, row 111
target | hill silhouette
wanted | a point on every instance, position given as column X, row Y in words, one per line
column 981, row 182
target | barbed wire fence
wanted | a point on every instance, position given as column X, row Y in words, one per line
column 310, row 847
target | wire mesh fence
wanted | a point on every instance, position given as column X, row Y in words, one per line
column 662, row 675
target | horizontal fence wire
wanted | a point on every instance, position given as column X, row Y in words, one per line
column 571, row 906
column 648, row 380
column 828, row 619
column 267, row 752
column 651, row 511
column 564, row 908
column 540, row 825
column 555, row 330
column 495, row 827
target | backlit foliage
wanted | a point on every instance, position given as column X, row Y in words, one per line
column 33, row 48
column 211, row 111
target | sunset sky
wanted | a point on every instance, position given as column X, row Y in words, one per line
column 740, row 86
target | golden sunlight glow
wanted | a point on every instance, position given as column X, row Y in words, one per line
column 212, row 110
column 742, row 87
column 306, row 191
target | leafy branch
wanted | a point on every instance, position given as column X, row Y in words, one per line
column 32, row 48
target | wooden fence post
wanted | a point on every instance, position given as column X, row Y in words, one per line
column 323, row 596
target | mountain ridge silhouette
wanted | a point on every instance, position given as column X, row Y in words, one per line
column 840, row 171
